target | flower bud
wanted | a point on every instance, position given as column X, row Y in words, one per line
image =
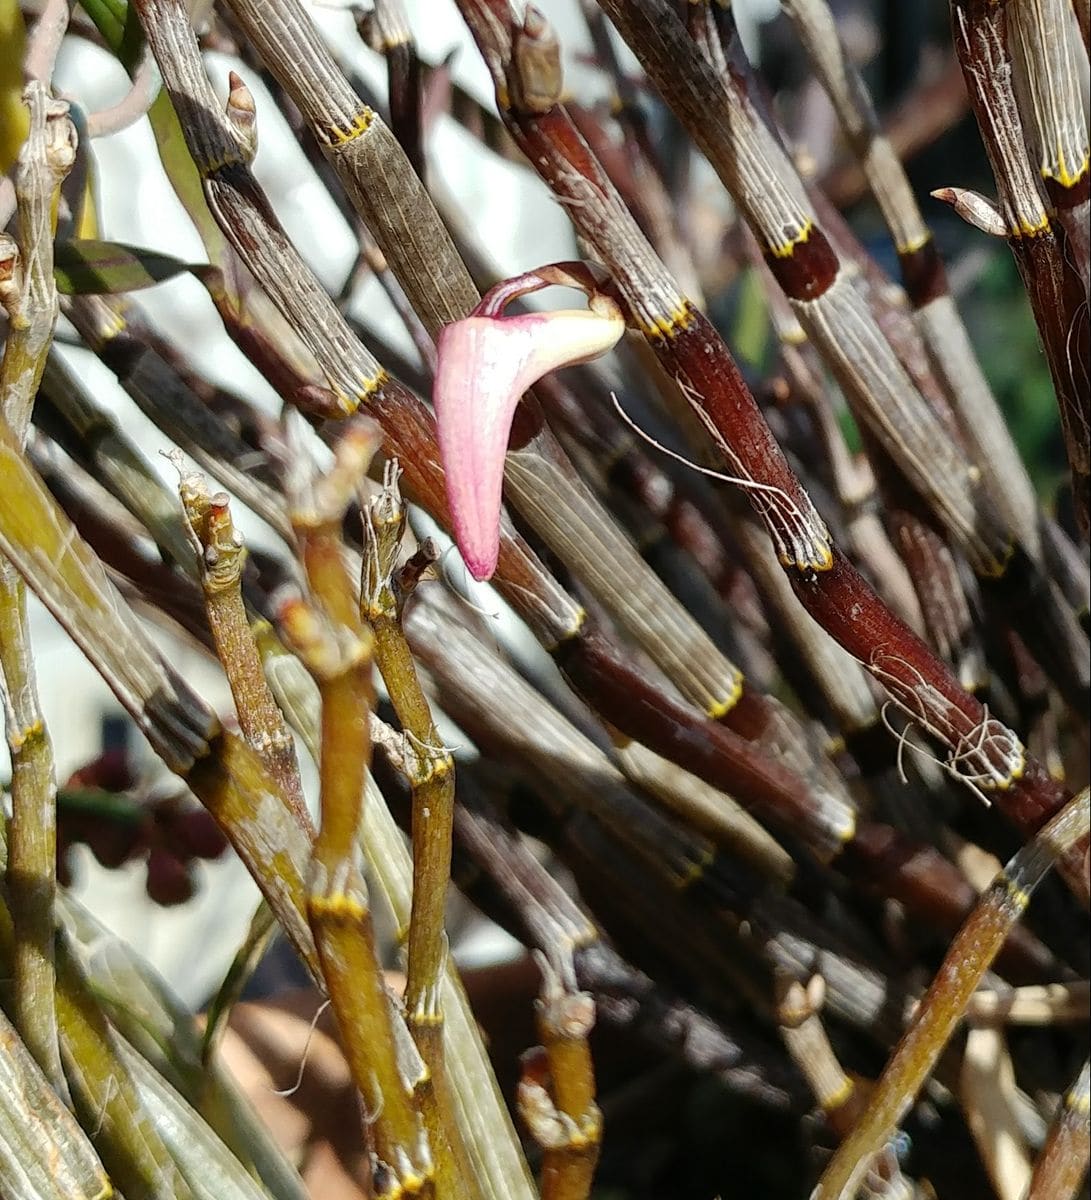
column 485, row 363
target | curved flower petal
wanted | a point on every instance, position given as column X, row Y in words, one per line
column 484, row 364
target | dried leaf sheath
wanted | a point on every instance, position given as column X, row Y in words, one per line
column 877, row 856
column 259, row 239
column 351, row 371
column 1039, row 244
column 923, row 273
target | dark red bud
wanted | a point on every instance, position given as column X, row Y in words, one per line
column 169, row 881
column 114, row 842
column 196, row 834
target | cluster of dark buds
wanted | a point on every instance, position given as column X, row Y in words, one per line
column 103, row 807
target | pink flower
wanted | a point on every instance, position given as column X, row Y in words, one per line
column 485, row 362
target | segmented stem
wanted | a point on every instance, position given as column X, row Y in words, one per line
column 28, row 294
column 329, row 637
column 968, row 958
column 556, row 1094
column 431, row 772
column 220, row 559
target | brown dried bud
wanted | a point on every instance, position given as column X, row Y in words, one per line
column 796, row 1003
column 535, row 78
column 52, row 141
column 385, row 518
column 196, row 835
column 62, row 141
column 224, row 553
column 974, row 208
column 243, row 115
column 169, row 881
column 417, row 567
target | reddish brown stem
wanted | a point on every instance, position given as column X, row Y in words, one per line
column 980, row 749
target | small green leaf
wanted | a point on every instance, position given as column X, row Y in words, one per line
column 109, row 19
column 119, row 25
column 85, row 267
column 750, row 334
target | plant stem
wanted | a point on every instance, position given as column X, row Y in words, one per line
column 29, row 295
column 94, row 439
column 497, row 1166
column 336, row 648
column 102, row 1089
column 575, row 527
column 968, row 958
column 539, row 478
column 557, row 1097
column 499, row 708
column 742, row 144
column 1046, row 53
column 1040, row 246
column 220, row 559
column 725, row 118
column 802, row 1031
column 693, row 354
column 223, row 772
column 172, row 397
column 537, row 909
column 1061, row 1168
column 923, row 273
column 431, row 773
column 395, row 42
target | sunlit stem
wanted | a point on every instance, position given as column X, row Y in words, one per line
column 29, row 297
column 221, row 557
column 334, row 645
column 1062, row 1165
column 969, row 957
column 556, row 1095
column 430, row 770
